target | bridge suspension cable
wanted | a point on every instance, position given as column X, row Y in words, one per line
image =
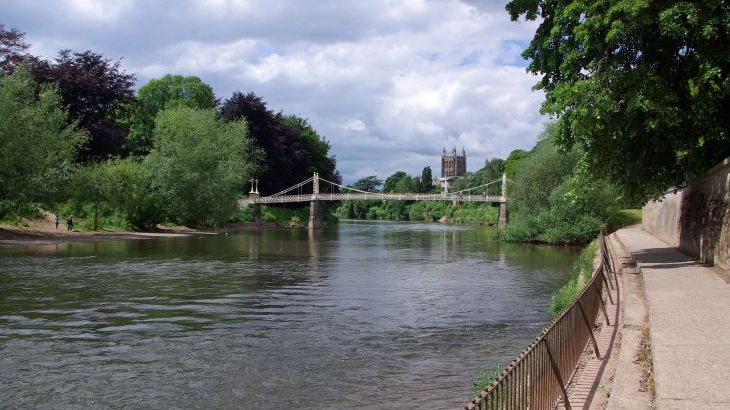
column 480, row 186
column 347, row 187
column 291, row 188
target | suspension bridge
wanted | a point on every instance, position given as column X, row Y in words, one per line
column 315, row 189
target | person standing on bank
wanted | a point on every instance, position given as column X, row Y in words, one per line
column 55, row 220
column 70, row 223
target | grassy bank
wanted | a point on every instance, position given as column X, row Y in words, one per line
column 484, row 377
column 581, row 274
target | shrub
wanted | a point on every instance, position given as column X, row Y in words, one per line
column 582, row 271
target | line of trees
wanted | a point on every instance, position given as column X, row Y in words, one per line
column 76, row 138
column 401, row 182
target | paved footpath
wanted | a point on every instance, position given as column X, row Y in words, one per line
column 689, row 322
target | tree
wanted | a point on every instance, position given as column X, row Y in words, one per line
column 166, row 92
column 543, row 170
column 322, row 161
column 513, row 161
column 493, row 169
column 369, row 184
column 37, row 146
column 93, row 88
column 642, row 87
column 122, row 185
column 392, row 181
column 555, row 198
column 199, row 165
column 287, row 161
column 12, row 48
column 426, row 182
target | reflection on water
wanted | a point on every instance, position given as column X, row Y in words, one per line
column 361, row 314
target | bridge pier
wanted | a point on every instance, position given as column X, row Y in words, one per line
column 315, row 215
column 256, row 208
column 503, row 215
column 503, row 211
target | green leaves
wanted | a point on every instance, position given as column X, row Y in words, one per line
column 641, row 86
column 199, row 165
column 170, row 91
column 37, row 146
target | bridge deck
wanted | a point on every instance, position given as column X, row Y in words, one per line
column 373, row 197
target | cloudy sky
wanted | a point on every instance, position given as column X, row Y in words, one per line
column 389, row 83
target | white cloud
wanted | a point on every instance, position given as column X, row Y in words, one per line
column 388, row 82
column 99, row 10
column 354, row 125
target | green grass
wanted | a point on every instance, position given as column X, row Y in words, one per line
column 623, row 217
column 18, row 214
column 581, row 274
column 483, row 378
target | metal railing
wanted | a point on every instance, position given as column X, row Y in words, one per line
column 538, row 377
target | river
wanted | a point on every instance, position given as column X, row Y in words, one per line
column 359, row 315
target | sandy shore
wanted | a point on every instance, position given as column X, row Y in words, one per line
column 42, row 231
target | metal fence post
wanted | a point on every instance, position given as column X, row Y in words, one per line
column 556, row 372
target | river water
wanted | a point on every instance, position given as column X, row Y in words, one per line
column 360, row 315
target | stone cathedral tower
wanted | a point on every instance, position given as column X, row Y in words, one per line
column 453, row 166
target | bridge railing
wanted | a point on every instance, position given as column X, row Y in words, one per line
column 375, row 196
column 537, row 378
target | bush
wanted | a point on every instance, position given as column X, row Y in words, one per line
column 13, row 213
column 285, row 216
column 87, row 217
column 119, row 187
column 556, row 200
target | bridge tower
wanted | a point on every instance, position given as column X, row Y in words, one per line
column 503, row 211
column 315, row 206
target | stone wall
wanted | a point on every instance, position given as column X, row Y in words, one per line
column 696, row 218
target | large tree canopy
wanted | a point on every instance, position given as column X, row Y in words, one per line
column 287, row 160
column 37, row 146
column 166, row 92
column 199, row 165
column 92, row 87
column 640, row 86
column 322, row 161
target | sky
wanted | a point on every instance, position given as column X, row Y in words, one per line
column 388, row 83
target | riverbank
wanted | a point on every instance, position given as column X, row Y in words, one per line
column 42, row 231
